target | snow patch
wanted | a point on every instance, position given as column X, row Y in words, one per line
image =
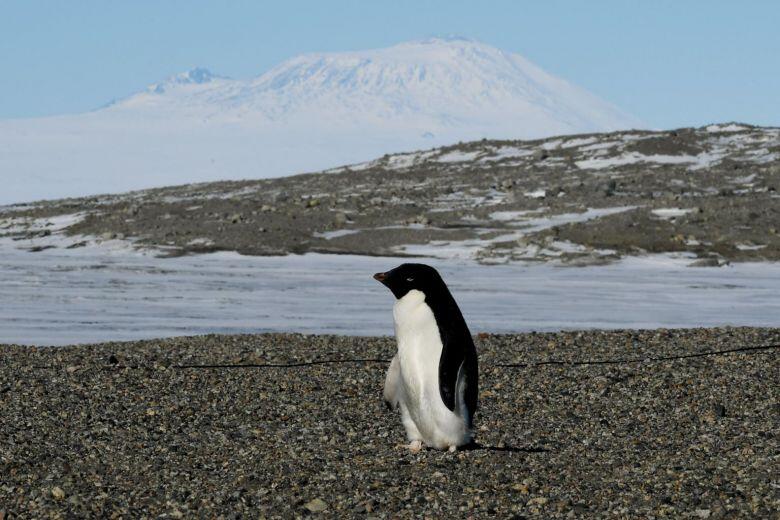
column 506, row 152
column 668, row 213
column 536, row 194
column 329, row 235
column 750, row 247
column 470, row 248
column 504, row 216
column 702, row 160
column 578, row 142
column 458, row 156
column 726, row 128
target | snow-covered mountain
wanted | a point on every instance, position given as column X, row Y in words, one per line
column 309, row 113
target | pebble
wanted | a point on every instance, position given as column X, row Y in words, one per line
column 556, row 440
column 317, row 505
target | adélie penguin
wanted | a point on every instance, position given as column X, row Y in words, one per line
column 433, row 376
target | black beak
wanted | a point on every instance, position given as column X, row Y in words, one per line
column 380, row 277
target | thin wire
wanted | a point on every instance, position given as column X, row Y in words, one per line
column 497, row 365
column 288, row 365
column 638, row 360
column 502, row 365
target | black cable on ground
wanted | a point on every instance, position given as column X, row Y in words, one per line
column 639, row 360
column 114, row 365
column 502, row 365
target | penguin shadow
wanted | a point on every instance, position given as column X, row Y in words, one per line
column 475, row 446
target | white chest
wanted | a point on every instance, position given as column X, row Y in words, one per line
column 419, row 345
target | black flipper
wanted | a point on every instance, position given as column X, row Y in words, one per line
column 458, row 354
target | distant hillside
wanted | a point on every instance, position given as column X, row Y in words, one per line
column 709, row 192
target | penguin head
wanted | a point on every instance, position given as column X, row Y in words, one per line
column 407, row 277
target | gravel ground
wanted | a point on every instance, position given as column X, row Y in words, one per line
column 126, row 430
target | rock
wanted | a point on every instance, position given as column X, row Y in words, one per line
column 521, row 488
column 108, row 235
column 705, row 262
column 702, row 513
column 555, row 191
column 38, row 249
column 57, row 493
column 317, row 505
column 610, row 188
column 340, row 219
column 719, row 410
column 313, row 203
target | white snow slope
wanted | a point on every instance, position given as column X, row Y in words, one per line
column 309, row 113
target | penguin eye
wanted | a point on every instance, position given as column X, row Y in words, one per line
column 410, row 279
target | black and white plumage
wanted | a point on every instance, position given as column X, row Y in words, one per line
column 433, row 377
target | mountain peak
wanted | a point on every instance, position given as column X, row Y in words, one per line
column 442, row 45
column 442, row 86
column 196, row 76
column 317, row 111
column 449, row 39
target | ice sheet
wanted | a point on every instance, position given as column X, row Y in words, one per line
column 92, row 294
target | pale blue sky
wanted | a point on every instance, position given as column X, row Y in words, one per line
column 670, row 63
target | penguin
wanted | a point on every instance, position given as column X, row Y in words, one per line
column 433, row 377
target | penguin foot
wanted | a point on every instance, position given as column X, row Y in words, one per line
column 452, row 449
column 415, row 446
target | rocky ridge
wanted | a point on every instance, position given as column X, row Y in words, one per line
column 709, row 193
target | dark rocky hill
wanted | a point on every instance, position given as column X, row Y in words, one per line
column 710, row 191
